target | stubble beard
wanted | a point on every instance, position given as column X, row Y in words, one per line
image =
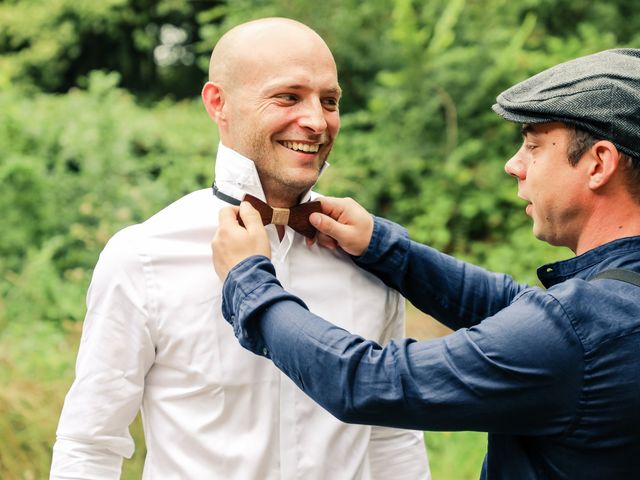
column 276, row 182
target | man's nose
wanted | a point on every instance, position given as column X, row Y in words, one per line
column 313, row 117
column 515, row 166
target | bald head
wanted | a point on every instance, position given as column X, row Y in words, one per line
column 273, row 92
column 240, row 53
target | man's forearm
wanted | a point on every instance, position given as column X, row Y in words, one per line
column 456, row 293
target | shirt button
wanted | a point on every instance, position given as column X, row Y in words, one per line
column 265, row 352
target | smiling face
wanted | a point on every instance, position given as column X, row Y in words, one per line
column 556, row 191
column 279, row 106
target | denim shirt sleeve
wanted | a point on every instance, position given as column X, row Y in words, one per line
column 388, row 248
column 456, row 293
column 250, row 287
column 508, row 374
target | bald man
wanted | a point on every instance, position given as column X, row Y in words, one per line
column 154, row 337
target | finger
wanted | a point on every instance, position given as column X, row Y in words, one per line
column 322, row 240
column 332, row 206
column 352, row 231
column 309, row 241
column 326, row 241
column 250, row 217
column 328, row 226
column 228, row 216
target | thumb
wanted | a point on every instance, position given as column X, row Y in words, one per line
column 352, row 231
column 228, row 216
column 250, row 217
column 327, row 225
column 332, row 234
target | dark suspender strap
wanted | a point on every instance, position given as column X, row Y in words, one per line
column 224, row 197
column 619, row 274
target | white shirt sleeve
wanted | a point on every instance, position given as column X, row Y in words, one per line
column 116, row 351
column 397, row 453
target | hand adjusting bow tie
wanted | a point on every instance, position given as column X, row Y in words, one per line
column 297, row 217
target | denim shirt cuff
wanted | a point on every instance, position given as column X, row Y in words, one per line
column 389, row 245
column 243, row 283
column 249, row 289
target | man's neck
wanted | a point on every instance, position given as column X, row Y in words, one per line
column 608, row 224
column 280, row 196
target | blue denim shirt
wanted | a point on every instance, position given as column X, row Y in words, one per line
column 553, row 375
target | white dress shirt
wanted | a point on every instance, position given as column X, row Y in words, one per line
column 154, row 339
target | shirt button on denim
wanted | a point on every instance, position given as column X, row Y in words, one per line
column 265, row 352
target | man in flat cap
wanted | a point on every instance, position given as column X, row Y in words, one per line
column 552, row 374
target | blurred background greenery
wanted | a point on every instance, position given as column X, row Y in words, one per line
column 101, row 126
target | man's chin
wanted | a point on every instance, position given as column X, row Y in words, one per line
column 302, row 183
column 537, row 233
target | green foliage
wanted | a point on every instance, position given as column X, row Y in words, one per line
column 456, row 455
column 80, row 166
column 52, row 44
column 87, row 147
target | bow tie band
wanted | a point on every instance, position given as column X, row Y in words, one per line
column 296, row 217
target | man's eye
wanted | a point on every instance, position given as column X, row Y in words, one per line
column 287, row 97
column 330, row 103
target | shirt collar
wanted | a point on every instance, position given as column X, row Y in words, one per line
column 236, row 175
column 620, row 253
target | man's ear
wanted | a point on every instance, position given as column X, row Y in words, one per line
column 213, row 100
column 604, row 162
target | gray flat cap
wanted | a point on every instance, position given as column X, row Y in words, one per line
column 599, row 93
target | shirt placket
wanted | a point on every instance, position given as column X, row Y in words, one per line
column 288, row 414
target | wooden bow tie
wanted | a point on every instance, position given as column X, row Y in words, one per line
column 296, row 217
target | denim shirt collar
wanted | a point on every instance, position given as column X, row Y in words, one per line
column 620, row 253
